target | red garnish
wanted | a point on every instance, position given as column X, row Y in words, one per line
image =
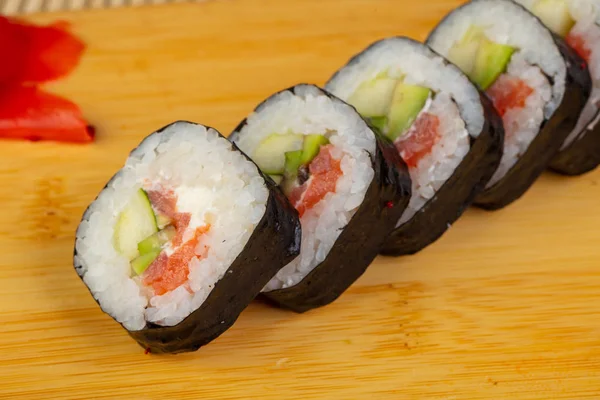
column 31, row 55
column 508, row 92
column 36, row 53
column 578, row 44
column 147, row 351
column 389, row 204
column 31, row 114
column 421, row 138
column 325, row 172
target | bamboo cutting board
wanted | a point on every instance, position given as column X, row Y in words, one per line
column 505, row 306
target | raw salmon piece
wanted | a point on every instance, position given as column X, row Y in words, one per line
column 419, row 141
column 168, row 273
column 325, row 172
column 508, row 92
column 578, row 44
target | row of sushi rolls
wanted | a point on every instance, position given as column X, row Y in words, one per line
column 298, row 200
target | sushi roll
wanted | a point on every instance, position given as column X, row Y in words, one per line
column 348, row 185
column 577, row 22
column 445, row 130
column 538, row 85
column 173, row 248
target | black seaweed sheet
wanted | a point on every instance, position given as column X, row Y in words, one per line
column 279, row 231
column 456, row 194
column 548, row 141
column 359, row 243
column 583, row 154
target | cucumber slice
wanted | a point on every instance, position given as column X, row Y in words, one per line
column 141, row 263
column 135, row 223
column 408, row 101
column 311, row 147
column 555, row 15
column 463, row 52
column 277, row 178
column 293, row 160
column 492, row 59
column 157, row 240
column 162, row 221
column 373, row 97
column 270, row 153
column 379, row 123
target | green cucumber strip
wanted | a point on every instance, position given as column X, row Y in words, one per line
column 463, row 52
column 293, row 160
column 270, row 153
column 162, row 221
column 142, row 262
column 135, row 223
column 373, row 97
column 379, row 123
column 312, row 146
column 156, row 240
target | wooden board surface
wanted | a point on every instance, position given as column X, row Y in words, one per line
column 505, row 306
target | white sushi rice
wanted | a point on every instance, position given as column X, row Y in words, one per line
column 309, row 111
column 508, row 23
column 434, row 169
column 521, row 125
column 215, row 183
column 456, row 104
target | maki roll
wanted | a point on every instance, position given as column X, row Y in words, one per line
column 577, row 22
column 173, row 247
column 445, row 130
column 348, row 185
column 538, row 85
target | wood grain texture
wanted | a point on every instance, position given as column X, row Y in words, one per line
column 505, row 306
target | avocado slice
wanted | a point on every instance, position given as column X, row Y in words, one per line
column 463, row 52
column 555, row 15
column 156, row 240
column 492, row 59
column 408, row 101
column 142, row 262
column 312, row 145
column 373, row 97
column 269, row 155
column 379, row 123
column 135, row 223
